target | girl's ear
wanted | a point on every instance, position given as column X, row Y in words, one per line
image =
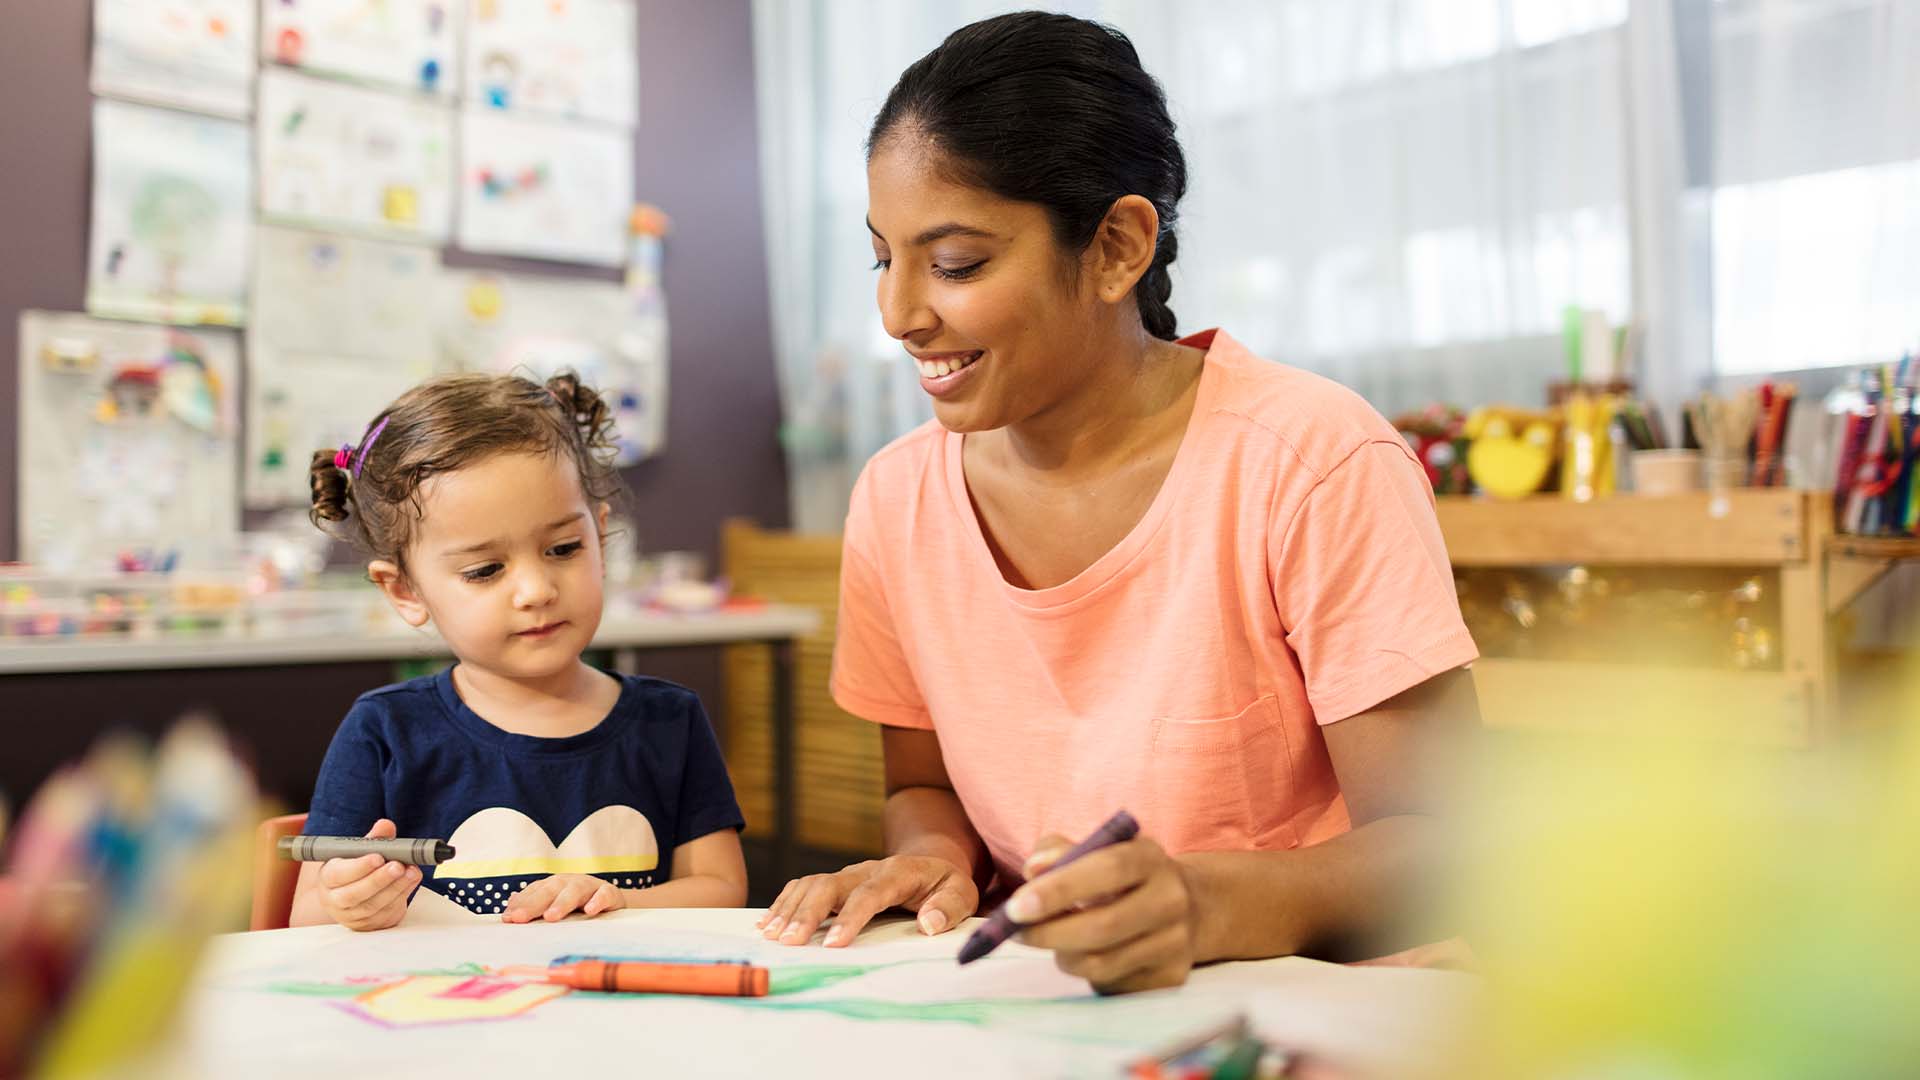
column 600, row 515
column 399, row 592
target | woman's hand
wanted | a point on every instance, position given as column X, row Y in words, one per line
column 939, row 893
column 556, row 897
column 1123, row 918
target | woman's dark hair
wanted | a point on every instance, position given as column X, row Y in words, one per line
column 1052, row 110
column 370, row 494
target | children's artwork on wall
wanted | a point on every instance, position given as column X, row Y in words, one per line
column 190, row 54
column 397, row 43
column 573, row 59
column 548, row 190
column 127, row 438
column 539, row 326
column 294, row 409
column 346, row 157
column 170, row 221
column 333, row 315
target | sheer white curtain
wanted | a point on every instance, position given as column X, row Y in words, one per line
column 1401, row 194
column 1813, row 164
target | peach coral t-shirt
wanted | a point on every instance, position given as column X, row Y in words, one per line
column 1290, row 573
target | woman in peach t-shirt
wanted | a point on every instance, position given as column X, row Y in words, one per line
column 1121, row 569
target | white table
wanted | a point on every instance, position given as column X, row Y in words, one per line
column 261, row 1006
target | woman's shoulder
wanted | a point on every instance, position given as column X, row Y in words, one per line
column 907, row 459
column 1305, row 416
column 897, row 475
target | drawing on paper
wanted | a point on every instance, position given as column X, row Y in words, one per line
column 127, row 437
column 548, row 190
column 170, row 222
column 575, row 59
column 516, row 323
column 189, row 54
column 341, row 325
column 349, row 158
column 399, row 43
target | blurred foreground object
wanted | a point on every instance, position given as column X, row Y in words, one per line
column 117, row 872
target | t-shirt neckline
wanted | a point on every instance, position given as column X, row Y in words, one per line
column 477, row 728
column 1117, row 558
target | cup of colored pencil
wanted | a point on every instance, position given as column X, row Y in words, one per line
column 117, row 872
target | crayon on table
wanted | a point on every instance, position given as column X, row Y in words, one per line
column 626, row 976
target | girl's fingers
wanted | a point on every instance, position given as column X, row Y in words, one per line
column 337, row 872
column 572, row 895
column 530, row 901
column 357, row 891
column 389, row 891
column 604, row 898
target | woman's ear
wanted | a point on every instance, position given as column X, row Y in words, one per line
column 399, row 592
column 1123, row 247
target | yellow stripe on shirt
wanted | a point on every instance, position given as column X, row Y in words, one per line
column 545, row 864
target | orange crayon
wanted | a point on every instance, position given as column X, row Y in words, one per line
column 635, row 977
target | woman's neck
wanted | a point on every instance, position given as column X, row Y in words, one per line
column 1132, row 385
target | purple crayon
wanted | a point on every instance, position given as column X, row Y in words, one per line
column 1118, row 829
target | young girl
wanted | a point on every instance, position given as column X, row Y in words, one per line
column 482, row 502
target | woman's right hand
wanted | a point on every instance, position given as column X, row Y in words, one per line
column 939, row 894
column 367, row 893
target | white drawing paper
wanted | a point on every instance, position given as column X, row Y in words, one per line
column 407, row 44
column 517, row 323
column 544, row 189
column 170, row 223
column 347, row 157
column 127, row 438
column 577, row 58
column 341, row 325
column 190, row 54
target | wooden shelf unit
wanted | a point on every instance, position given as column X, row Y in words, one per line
column 1771, row 528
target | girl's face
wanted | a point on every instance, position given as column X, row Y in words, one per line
column 996, row 316
column 506, row 560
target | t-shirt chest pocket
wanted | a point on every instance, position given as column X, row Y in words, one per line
column 1216, row 783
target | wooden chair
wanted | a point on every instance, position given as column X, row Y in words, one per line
column 841, row 786
column 273, row 876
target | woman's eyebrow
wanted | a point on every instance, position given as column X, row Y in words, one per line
column 941, row 232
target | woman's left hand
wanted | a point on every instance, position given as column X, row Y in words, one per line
column 1123, row 917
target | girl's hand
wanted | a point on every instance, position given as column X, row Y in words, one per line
column 938, row 892
column 367, row 893
column 554, row 898
column 1123, row 918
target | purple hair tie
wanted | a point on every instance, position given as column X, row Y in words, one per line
column 366, row 446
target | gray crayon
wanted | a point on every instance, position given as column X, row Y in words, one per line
column 401, row 849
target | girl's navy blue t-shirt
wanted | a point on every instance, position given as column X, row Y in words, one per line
column 614, row 801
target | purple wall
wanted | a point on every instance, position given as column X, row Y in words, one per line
column 696, row 156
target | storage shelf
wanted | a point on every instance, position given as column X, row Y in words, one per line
column 1753, row 527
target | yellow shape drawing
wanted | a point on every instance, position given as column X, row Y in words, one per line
column 401, row 204
column 452, row 999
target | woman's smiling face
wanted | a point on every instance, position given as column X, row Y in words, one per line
column 995, row 314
